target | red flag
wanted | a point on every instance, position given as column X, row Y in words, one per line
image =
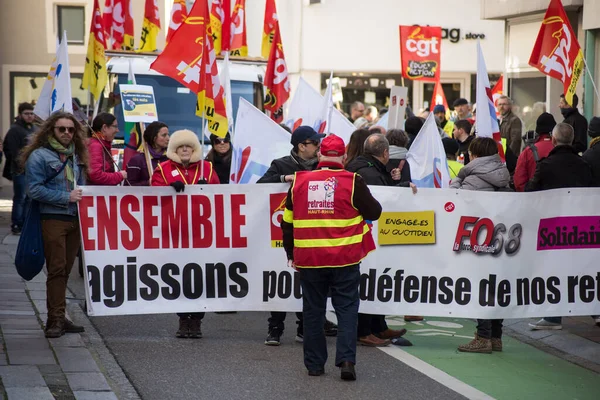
column 150, row 27
column 239, row 45
column 178, row 15
column 226, row 33
column 556, row 52
column 107, row 21
column 271, row 25
column 420, row 52
column 438, row 96
column 182, row 57
column 497, row 91
column 217, row 16
column 277, row 81
column 120, row 29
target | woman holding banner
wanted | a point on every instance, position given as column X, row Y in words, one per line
column 184, row 167
column 156, row 137
column 220, row 156
column 487, row 172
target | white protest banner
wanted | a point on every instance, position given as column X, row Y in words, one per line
column 258, row 141
column 397, row 111
column 307, row 108
column 139, row 104
column 440, row 252
column 427, row 158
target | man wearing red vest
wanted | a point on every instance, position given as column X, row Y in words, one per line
column 325, row 236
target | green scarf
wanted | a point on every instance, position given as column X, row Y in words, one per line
column 64, row 153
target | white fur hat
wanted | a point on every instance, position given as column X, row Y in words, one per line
column 178, row 139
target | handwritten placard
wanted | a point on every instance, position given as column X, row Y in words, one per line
column 415, row 227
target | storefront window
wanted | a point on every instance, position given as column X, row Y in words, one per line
column 529, row 99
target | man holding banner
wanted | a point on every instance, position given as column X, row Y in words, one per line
column 325, row 236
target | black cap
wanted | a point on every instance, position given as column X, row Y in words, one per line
column 460, row 102
column 545, row 123
column 594, row 128
column 450, row 146
column 304, row 133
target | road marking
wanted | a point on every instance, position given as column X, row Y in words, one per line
column 430, row 330
column 443, row 334
column 439, row 376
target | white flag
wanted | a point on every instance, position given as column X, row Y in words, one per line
column 328, row 105
column 306, row 108
column 427, row 158
column 56, row 92
column 258, row 141
column 226, row 79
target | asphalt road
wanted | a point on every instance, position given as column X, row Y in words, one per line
column 231, row 362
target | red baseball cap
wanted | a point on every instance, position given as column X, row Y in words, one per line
column 333, row 146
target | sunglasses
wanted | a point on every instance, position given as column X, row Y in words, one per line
column 220, row 141
column 313, row 142
column 63, row 129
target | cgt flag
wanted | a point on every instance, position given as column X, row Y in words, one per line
column 239, row 44
column 178, row 15
column 270, row 28
column 420, row 52
column 94, row 74
column 556, row 52
column 217, row 18
column 151, row 26
column 277, row 82
column 121, row 24
column 486, row 124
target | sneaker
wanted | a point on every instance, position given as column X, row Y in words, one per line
column 70, row 327
column 195, row 332
column 299, row 337
column 54, row 328
column 330, row 328
column 184, row 328
column 273, row 338
column 542, row 324
column 496, row 344
column 477, row 345
column 16, row 230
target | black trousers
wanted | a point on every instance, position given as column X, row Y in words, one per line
column 371, row 324
column 277, row 321
column 489, row 328
column 193, row 315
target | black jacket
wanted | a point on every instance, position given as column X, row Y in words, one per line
column 283, row 166
column 371, row 170
column 15, row 140
column 222, row 165
column 563, row 168
column 592, row 157
column 580, row 127
column 463, row 147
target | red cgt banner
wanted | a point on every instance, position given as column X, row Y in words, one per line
column 420, row 52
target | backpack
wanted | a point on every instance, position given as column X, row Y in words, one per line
column 534, row 151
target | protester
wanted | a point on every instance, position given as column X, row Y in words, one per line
column 563, row 168
column 462, row 128
column 592, row 155
column 156, row 137
column 462, row 110
column 511, row 127
column 102, row 165
column 184, row 167
column 361, row 123
column 371, row 114
column 371, row 166
column 538, row 148
column 56, row 163
column 303, row 157
column 357, row 109
column 412, row 127
column 398, row 139
column 576, row 120
column 329, row 267
column 356, row 144
column 451, row 149
column 486, row 172
column 220, row 156
column 439, row 112
column 15, row 141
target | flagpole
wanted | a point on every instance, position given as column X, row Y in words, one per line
column 591, row 79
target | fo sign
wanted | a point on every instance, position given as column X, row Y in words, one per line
column 420, row 52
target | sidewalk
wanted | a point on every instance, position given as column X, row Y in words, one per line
column 33, row 367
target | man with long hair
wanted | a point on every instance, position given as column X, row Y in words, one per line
column 56, row 163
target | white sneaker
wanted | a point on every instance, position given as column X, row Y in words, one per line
column 300, row 338
column 542, row 324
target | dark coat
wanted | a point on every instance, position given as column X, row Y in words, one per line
column 283, row 166
column 580, row 127
column 592, row 157
column 137, row 169
column 371, row 170
column 15, row 140
column 463, row 147
column 563, row 168
column 221, row 164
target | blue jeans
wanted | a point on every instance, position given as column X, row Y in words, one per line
column 19, row 200
column 316, row 284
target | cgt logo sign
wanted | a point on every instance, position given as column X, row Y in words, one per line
column 277, row 207
column 420, row 52
column 481, row 236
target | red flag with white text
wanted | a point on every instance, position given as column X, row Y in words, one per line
column 239, row 44
column 277, row 81
column 178, row 15
column 420, row 48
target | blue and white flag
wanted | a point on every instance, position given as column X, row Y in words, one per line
column 427, row 158
column 56, row 92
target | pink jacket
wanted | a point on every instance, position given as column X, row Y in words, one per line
column 102, row 170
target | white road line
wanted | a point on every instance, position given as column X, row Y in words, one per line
column 429, row 370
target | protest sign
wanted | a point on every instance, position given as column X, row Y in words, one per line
column 139, row 104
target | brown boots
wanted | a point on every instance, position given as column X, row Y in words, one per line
column 481, row 345
column 56, row 327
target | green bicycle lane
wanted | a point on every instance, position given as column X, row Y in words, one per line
column 520, row 371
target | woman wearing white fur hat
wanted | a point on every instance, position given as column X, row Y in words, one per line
column 183, row 167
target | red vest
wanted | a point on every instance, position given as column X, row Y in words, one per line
column 328, row 230
column 171, row 172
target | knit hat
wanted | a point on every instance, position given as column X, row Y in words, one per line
column 594, row 128
column 439, row 109
column 545, row 123
column 450, row 146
